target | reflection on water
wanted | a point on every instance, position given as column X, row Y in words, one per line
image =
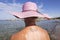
column 7, row 28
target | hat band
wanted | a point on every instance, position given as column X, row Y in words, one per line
column 29, row 10
column 32, row 10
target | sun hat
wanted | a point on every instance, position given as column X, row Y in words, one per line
column 29, row 6
column 29, row 9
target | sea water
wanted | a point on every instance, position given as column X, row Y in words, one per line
column 9, row 27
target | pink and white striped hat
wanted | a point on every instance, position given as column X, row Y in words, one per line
column 29, row 9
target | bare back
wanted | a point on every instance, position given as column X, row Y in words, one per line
column 31, row 33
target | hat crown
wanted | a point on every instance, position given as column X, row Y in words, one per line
column 29, row 6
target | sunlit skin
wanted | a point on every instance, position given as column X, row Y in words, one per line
column 31, row 31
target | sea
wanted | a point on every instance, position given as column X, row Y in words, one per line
column 9, row 27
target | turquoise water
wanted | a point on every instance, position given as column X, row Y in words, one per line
column 7, row 28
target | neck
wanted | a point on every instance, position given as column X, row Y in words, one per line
column 29, row 24
column 30, row 21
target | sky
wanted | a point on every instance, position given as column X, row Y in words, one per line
column 49, row 7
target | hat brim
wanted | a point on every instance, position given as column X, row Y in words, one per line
column 28, row 14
